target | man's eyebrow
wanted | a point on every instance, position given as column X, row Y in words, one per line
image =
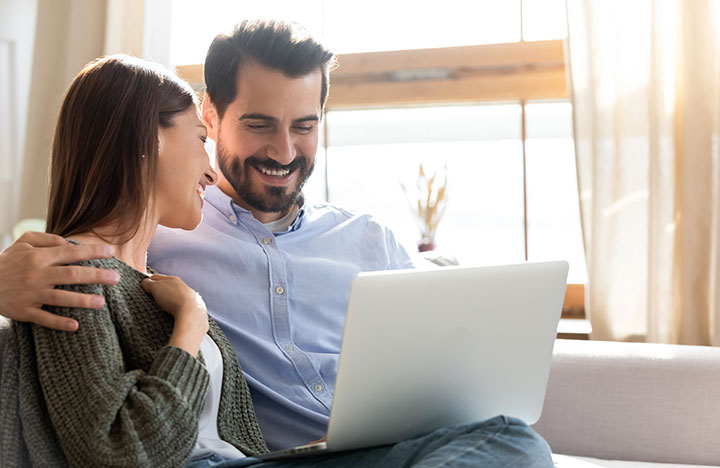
column 268, row 118
column 257, row 116
column 308, row 118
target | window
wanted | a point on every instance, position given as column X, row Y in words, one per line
column 481, row 146
column 477, row 86
column 553, row 210
column 378, row 25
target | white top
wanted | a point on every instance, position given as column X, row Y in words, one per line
column 208, row 438
column 282, row 224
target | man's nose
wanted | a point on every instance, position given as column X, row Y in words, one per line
column 282, row 148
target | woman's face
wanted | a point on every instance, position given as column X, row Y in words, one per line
column 183, row 172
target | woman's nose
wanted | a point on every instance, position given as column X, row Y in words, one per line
column 211, row 176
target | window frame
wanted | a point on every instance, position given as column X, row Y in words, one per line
column 518, row 71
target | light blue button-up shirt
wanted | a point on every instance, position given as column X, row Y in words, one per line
column 281, row 299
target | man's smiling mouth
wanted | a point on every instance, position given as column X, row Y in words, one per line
column 273, row 172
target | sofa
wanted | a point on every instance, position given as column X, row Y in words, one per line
column 624, row 405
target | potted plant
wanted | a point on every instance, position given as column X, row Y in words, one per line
column 428, row 202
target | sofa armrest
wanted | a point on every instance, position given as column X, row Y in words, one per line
column 634, row 401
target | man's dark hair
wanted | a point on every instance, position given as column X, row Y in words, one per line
column 277, row 45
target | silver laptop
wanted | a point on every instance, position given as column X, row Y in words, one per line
column 423, row 349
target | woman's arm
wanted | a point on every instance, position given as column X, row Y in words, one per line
column 107, row 415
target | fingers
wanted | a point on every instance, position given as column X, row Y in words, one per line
column 149, row 283
column 46, row 319
column 35, row 263
column 61, row 298
column 69, row 253
column 41, row 239
column 159, row 277
column 74, row 274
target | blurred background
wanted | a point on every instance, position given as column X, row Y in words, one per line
column 580, row 130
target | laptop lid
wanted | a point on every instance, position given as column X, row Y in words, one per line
column 424, row 349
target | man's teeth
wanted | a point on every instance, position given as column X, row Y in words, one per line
column 274, row 172
column 200, row 191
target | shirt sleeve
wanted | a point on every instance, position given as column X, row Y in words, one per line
column 107, row 415
column 399, row 258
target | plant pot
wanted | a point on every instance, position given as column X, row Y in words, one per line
column 425, row 245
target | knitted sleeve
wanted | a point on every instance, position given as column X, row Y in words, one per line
column 106, row 415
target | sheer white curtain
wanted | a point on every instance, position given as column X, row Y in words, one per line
column 645, row 81
column 68, row 34
column 17, row 34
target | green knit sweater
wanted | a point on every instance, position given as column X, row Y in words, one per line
column 114, row 393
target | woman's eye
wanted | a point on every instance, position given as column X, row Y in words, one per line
column 203, row 139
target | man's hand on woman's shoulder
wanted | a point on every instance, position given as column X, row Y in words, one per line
column 34, row 264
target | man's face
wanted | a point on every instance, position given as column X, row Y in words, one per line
column 267, row 139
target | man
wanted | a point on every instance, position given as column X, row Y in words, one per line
column 274, row 271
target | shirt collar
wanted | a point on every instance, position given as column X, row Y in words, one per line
column 220, row 201
column 298, row 221
column 231, row 210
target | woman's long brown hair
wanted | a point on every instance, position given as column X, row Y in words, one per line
column 105, row 151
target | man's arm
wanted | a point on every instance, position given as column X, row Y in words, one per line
column 30, row 268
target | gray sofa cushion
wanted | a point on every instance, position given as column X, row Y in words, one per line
column 634, row 401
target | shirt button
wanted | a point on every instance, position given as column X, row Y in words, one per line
column 318, row 388
column 279, row 290
column 267, row 240
column 288, row 347
column 232, row 218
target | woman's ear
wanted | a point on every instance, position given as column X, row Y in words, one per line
column 161, row 140
column 210, row 117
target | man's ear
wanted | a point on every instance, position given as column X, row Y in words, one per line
column 210, row 117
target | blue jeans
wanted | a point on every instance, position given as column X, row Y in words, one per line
column 497, row 442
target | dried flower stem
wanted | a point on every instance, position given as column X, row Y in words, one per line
column 429, row 203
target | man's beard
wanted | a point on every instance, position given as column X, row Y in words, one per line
column 265, row 198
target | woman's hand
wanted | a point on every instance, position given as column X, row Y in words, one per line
column 176, row 298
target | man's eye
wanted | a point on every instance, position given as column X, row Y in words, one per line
column 304, row 129
column 257, row 126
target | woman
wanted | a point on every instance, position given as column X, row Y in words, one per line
column 129, row 387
